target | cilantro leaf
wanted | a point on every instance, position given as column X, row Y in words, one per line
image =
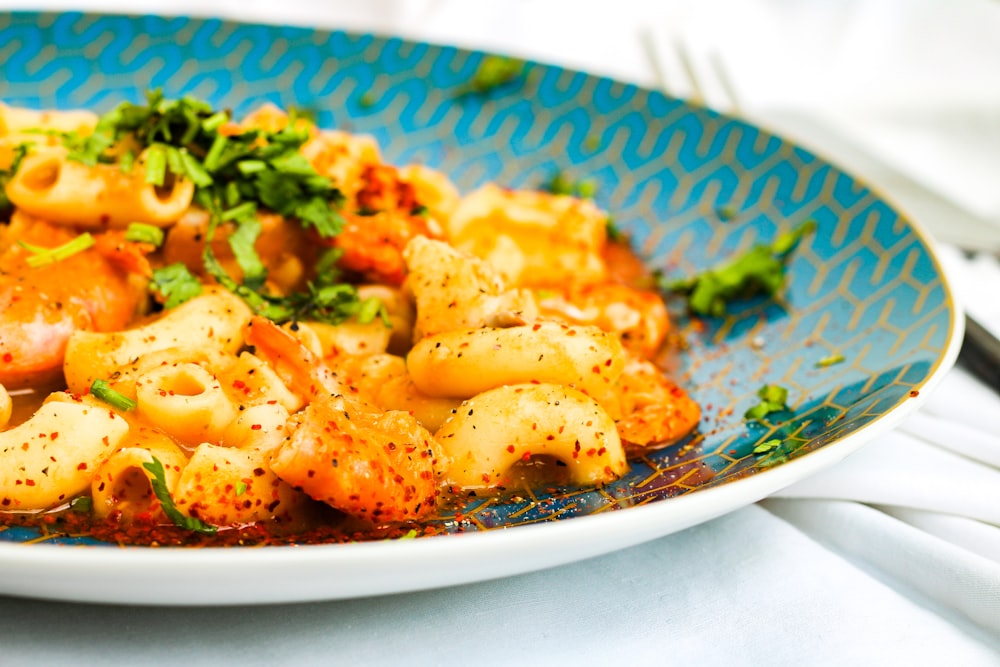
column 235, row 173
column 562, row 184
column 773, row 398
column 493, row 72
column 759, row 271
column 175, row 284
column 158, row 482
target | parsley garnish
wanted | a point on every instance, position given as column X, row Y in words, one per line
column 773, row 398
column 759, row 271
column 158, row 482
column 41, row 256
column 19, row 152
column 101, row 390
column 493, row 72
column 767, row 446
column 561, row 184
column 235, row 173
column 175, row 284
column 831, row 360
column 142, row 233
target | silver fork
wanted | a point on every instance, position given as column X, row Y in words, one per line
column 700, row 76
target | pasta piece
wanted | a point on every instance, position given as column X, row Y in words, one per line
column 185, row 401
column 213, row 320
column 350, row 338
column 401, row 313
column 225, row 486
column 19, row 120
column 453, row 290
column 252, row 382
column 258, row 427
column 6, row 407
column 52, row 456
column 122, row 483
column 64, row 191
column 533, row 238
column 463, row 363
column 494, row 430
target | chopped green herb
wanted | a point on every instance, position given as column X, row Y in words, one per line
column 82, row 504
column 175, row 284
column 831, row 360
column 140, row 232
column 241, row 488
column 20, row 151
column 726, row 212
column 759, row 271
column 158, row 482
column 615, row 235
column 41, row 256
column 561, row 184
column 409, row 535
column 493, row 72
column 235, row 174
column 101, row 390
column 773, row 398
column 767, row 446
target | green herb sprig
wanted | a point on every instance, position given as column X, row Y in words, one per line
column 101, row 390
column 236, row 174
column 773, row 398
column 759, row 271
column 158, row 482
column 493, row 72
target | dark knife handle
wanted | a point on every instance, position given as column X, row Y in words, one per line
column 980, row 353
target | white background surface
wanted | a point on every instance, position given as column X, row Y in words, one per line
column 855, row 566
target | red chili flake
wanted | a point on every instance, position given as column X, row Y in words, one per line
column 29, row 482
column 82, row 465
column 510, row 448
column 255, row 427
column 53, row 435
column 8, row 357
column 526, row 456
column 914, row 393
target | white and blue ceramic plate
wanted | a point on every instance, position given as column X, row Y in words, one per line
column 692, row 188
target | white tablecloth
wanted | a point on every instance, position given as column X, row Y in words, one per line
column 854, row 566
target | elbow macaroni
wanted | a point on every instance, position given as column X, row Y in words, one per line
column 60, row 190
column 476, row 372
column 491, row 432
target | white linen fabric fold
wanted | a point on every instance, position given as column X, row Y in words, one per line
column 891, row 557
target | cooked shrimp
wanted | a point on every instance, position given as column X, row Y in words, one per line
column 534, row 238
column 90, row 290
column 655, row 411
column 638, row 317
column 453, row 290
column 382, row 217
column 370, row 464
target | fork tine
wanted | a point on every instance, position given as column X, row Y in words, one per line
column 688, row 72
